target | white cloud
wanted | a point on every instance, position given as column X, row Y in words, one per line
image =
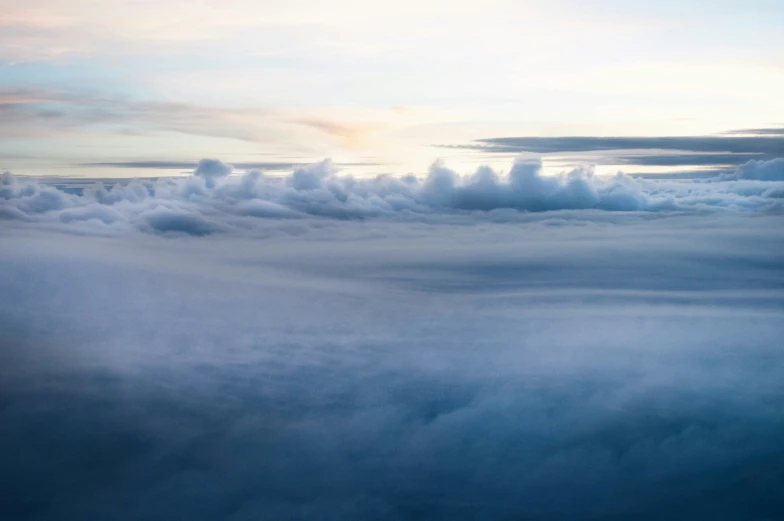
column 579, row 364
column 772, row 170
column 213, row 200
column 211, row 170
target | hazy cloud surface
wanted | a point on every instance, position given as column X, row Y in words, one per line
column 312, row 347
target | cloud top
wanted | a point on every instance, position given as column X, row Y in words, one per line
column 212, row 199
column 772, row 170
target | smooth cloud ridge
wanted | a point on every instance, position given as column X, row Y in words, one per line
column 213, row 200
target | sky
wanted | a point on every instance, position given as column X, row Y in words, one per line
column 107, row 88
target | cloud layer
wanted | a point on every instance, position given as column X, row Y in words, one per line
column 720, row 151
column 622, row 367
column 770, row 143
column 213, row 200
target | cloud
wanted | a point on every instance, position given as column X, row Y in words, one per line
column 311, row 177
column 211, row 170
column 98, row 212
column 715, row 161
column 758, row 132
column 36, row 113
column 525, row 189
column 760, row 170
column 770, row 145
column 717, row 153
column 623, row 367
column 32, row 198
column 178, row 221
column 46, row 113
column 190, row 165
column 351, row 135
column 217, row 200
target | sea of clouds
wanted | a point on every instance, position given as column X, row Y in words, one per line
column 318, row 347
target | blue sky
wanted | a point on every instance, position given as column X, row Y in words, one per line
column 383, row 83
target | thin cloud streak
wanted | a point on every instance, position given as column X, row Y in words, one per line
column 190, row 165
column 709, row 144
column 725, row 151
column 757, row 132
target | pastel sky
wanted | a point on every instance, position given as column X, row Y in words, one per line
column 93, row 87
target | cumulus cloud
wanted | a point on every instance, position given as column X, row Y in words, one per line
column 772, row 170
column 214, row 199
column 212, row 169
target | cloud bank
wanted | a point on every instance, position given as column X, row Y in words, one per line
column 624, row 367
column 213, row 200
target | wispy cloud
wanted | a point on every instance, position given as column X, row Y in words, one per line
column 348, row 134
column 189, row 165
column 757, row 132
column 35, row 112
column 710, row 144
column 731, row 148
column 48, row 113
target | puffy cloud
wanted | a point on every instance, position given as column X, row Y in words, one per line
column 12, row 213
column 164, row 220
column 135, row 191
column 311, row 177
column 30, row 197
column 772, row 170
column 211, row 170
column 216, row 200
column 262, row 208
column 99, row 212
